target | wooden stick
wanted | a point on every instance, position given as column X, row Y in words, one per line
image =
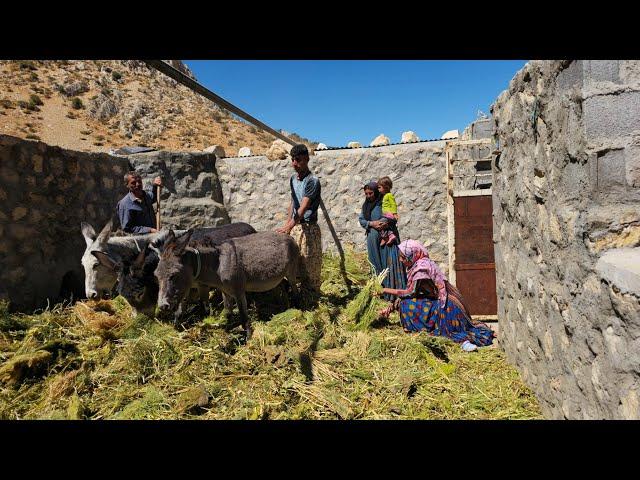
column 158, row 204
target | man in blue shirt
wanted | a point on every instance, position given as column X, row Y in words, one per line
column 302, row 219
column 135, row 210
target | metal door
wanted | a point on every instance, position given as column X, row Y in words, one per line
column 474, row 258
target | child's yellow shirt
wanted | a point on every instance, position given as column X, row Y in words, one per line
column 389, row 204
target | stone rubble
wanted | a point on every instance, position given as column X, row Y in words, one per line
column 217, row 150
column 380, row 140
column 279, row 150
column 409, row 137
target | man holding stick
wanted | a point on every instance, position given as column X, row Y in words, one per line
column 135, row 210
column 302, row 219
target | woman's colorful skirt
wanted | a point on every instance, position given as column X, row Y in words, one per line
column 451, row 321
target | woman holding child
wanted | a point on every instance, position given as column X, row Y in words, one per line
column 383, row 252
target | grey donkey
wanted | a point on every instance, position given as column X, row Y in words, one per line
column 136, row 280
column 254, row 263
column 99, row 279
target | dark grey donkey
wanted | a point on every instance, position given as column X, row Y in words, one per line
column 254, row 263
column 136, row 280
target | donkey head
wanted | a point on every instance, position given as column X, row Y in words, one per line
column 175, row 275
column 99, row 277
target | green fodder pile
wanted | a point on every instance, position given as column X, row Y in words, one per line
column 94, row 360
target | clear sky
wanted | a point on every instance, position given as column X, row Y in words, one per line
column 336, row 102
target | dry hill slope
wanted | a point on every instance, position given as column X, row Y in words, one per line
column 104, row 104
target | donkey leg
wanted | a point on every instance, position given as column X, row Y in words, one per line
column 228, row 307
column 292, row 274
column 244, row 314
column 203, row 293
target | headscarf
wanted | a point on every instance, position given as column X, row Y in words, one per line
column 413, row 250
column 423, row 267
column 369, row 205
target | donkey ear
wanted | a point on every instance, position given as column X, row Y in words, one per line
column 106, row 232
column 162, row 238
column 183, row 241
column 88, row 233
column 106, row 260
column 169, row 241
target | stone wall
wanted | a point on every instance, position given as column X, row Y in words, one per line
column 472, row 164
column 192, row 195
column 256, row 190
column 45, row 192
column 481, row 128
column 566, row 199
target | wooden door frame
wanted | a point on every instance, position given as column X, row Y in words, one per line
column 451, row 195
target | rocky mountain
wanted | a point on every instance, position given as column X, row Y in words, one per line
column 99, row 105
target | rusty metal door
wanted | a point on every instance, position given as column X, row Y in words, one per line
column 474, row 258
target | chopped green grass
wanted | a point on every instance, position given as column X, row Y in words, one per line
column 94, row 360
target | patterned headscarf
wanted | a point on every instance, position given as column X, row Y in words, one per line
column 413, row 250
column 423, row 267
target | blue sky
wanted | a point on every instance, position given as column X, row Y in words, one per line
column 336, row 102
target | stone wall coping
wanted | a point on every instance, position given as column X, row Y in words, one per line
column 621, row 267
column 340, row 150
column 432, row 141
column 438, row 144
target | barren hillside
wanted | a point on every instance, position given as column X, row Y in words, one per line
column 104, row 104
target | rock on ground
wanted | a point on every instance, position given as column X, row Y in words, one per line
column 102, row 108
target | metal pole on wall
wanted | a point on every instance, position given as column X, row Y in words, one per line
column 190, row 83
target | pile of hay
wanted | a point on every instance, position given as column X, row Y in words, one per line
column 95, row 361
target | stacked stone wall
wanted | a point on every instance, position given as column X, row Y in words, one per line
column 256, row 190
column 45, row 192
column 192, row 194
column 566, row 195
column 472, row 167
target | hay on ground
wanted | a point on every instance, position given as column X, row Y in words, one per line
column 94, row 360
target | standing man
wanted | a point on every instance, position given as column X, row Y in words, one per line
column 135, row 210
column 302, row 219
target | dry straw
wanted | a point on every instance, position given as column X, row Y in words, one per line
column 332, row 362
